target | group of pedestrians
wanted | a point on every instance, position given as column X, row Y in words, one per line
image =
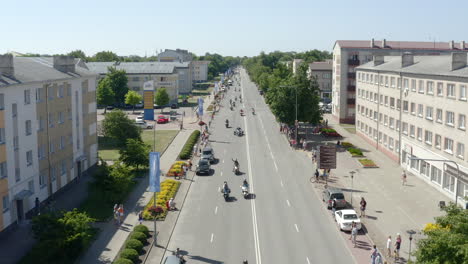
column 118, row 214
column 396, row 249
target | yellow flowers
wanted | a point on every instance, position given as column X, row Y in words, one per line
column 168, row 190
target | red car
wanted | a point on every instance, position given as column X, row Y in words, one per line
column 162, row 119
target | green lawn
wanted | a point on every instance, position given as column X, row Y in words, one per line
column 108, row 151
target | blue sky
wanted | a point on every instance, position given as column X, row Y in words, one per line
column 238, row 27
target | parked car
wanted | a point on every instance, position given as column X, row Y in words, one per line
column 334, row 193
column 203, row 166
column 143, row 124
column 139, row 118
column 261, row 92
column 139, row 105
column 345, row 218
column 208, row 154
column 109, row 107
column 157, row 106
column 162, row 119
column 174, row 106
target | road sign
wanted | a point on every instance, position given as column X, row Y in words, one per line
column 326, row 157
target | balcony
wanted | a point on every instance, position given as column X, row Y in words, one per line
column 351, row 75
column 353, row 62
column 351, row 88
column 351, row 101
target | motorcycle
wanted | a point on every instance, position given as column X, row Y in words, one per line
column 227, row 124
column 232, row 109
column 242, row 112
column 245, row 191
column 236, row 169
column 238, row 132
column 226, row 194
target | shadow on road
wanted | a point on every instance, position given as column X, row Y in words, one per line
column 206, row 260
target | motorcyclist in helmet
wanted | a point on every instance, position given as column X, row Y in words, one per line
column 236, row 163
column 225, row 187
column 245, row 183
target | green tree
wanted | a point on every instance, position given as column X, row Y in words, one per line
column 447, row 240
column 133, row 98
column 79, row 54
column 135, row 153
column 104, row 94
column 117, row 126
column 105, row 56
column 161, row 98
column 119, row 83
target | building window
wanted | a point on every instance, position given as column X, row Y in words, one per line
column 386, row 100
column 2, row 101
column 413, row 85
column 42, row 178
column 381, row 99
column 3, row 170
column 29, row 158
column 136, row 79
column 69, row 114
column 390, row 122
column 39, row 94
column 430, row 88
column 380, row 137
column 51, row 119
column 413, row 108
column 450, row 118
column 53, row 174
column 40, row 152
column 421, row 86
column 6, row 203
column 386, row 81
column 460, row 150
column 438, row 140
column 419, row 134
column 28, row 127
column 51, row 147
column 463, row 92
column 376, row 98
column 2, row 135
column 69, row 90
column 14, row 110
column 15, row 143
column 451, row 90
column 27, row 96
column 41, row 124
column 60, row 91
column 439, row 116
column 392, row 102
column 406, row 83
column 405, row 106
column 420, row 110
column 385, row 139
column 385, row 120
column 398, row 125
column 60, row 118
column 392, row 82
column 62, row 142
column 405, row 128
column 461, row 121
column 429, row 110
column 31, row 185
column 390, row 142
column 436, row 175
column 397, row 146
column 412, row 131
column 428, row 137
column 63, row 167
column 17, row 175
column 448, row 145
column 440, row 89
column 50, row 91
column 425, row 168
column 398, row 104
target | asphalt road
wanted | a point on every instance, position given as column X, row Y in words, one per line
column 285, row 221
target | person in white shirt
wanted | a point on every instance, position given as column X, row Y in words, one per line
column 389, row 246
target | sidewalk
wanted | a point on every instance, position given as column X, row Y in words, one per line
column 111, row 238
column 391, row 207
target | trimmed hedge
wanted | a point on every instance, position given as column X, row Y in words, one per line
column 141, row 228
column 134, row 244
column 355, row 151
column 186, row 151
column 123, row 261
column 130, row 254
column 140, row 236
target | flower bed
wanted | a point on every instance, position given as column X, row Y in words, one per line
column 347, row 145
column 330, row 132
column 355, row 152
column 176, row 169
column 367, row 163
column 168, row 190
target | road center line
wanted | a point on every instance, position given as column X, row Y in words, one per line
column 221, row 173
column 287, row 201
column 216, row 210
column 211, row 240
column 297, row 229
column 223, row 161
column 308, row 261
column 281, row 182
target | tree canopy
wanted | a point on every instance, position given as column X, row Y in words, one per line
column 105, row 56
column 132, row 98
column 104, row 94
column 218, row 64
column 118, row 81
column 79, row 54
column 135, row 153
column 117, row 126
column 162, row 97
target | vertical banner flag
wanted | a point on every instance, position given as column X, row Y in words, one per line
column 148, row 100
column 216, row 87
column 155, row 170
column 222, row 78
column 200, row 106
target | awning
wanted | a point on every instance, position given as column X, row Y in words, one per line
column 81, row 158
column 23, row 194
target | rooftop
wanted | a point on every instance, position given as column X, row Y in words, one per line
column 407, row 45
column 40, row 69
column 428, row 65
column 152, row 67
column 321, row 65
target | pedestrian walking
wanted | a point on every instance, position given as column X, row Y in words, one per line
column 190, row 164
column 363, row 204
column 403, row 178
column 181, row 125
column 140, row 217
column 121, row 213
column 185, row 171
column 374, row 255
column 317, row 174
column 116, row 214
column 333, row 206
column 397, row 246
column 209, row 123
column 389, row 246
column 354, row 232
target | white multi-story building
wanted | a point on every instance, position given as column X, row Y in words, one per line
column 48, row 133
column 348, row 54
column 200, row 71
column 322, row 72
column 416, row 107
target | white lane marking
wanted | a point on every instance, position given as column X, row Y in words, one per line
column 211, row 240
column 281, row 182
column 308, row 262
column 258, row 256
column 297, row 229
column 221, row 173
column 216, row 210
column 276, row 166
column 287, row 201
column 223, row 161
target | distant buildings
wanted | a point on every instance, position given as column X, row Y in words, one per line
column 48, row 134
column 322, row 71
column 416, row 107
column 200, row 71
column 348, row 54
column 295, row 65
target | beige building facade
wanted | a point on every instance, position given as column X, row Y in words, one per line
column 349, row 54
column 322, row 72
column 415, row 107
column 200, row 71
column 47, row 130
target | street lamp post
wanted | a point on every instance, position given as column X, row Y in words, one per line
column 411, row 233
column 352, row 186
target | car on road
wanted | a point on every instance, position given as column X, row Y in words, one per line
column 203, row 166
column 143, row 124
column 345, row 218
column 331, row 193
column 208, row 154
column 162, row 119
column 139, row 118
column 173, row 259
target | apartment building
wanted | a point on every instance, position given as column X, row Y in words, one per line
column 200, row 71
column 416, row 107
column 47, row 130
column 348, row 54
column 322, row 71
column 164, row 74
column 295, row 65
